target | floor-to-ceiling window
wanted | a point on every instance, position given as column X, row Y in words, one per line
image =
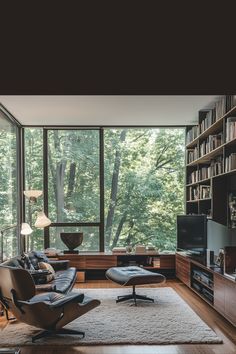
column 144, row 186
column 9, row 192
column 33, row 157
column 71, row 183
column 118, row 186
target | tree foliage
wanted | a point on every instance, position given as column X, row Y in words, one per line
column 143, row 184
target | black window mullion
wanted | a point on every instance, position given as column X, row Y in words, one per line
column 101, row 166
column 45, row 184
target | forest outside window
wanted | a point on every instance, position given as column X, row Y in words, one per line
column 8, row 186
column 144, row 186
column 141, row 170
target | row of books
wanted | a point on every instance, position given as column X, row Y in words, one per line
column 230, row 162
column 215, row 167
column 211, row 143
column 199, row 192
column 199, row 175
column 192, row 134
column 230, row 128
column 230, row 102
column 192, row 155
column 222, row 106
column 208, row 120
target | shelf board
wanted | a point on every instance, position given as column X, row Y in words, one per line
column 207, row 157
column 201, row 282
column 203, row 297
column 199, row 182
column 212, row 129
column 203, row 199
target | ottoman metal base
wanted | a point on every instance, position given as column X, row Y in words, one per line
column 133, row 296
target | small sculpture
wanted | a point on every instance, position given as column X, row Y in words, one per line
column 72, row 240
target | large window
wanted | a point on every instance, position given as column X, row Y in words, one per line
column 144, row 184
column 33, row 149
column 8, row 186
column 73, row 176
column 141, row 171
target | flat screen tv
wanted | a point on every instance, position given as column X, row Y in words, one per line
column 192, row 234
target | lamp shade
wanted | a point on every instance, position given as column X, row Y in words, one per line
column 33, row 194
column 42, row 220
column 25, row 229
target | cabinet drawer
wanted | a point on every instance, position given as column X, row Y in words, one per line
column 100, row 262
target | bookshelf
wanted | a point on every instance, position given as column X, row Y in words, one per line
column 211, row 163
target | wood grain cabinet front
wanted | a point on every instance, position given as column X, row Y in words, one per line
column 183, row 269
column 225, row 297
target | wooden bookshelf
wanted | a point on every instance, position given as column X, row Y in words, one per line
column 216, row 168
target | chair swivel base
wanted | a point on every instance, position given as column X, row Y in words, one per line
column 48, row 333
column 133, row 296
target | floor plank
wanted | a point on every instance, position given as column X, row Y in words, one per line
column 222, row 327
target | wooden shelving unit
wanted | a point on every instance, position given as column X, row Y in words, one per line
column 222, row 288
column 217, row 167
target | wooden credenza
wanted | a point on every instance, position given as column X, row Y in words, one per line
column 98, row 262
column 182, row 269
column 222, row 289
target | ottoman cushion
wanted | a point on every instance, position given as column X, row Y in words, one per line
column 133, row 276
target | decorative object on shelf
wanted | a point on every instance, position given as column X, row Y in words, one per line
column 220, row 258
column 140, row 249
column 72, row 240
column 119, row 250
column 232, row 209
column 129, row 249
column 33, row 194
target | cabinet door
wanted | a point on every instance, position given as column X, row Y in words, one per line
column 219, row 293
column 183, row 269
column 167, row 262
column 230, row 301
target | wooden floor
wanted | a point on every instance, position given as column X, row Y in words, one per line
column 222, row 328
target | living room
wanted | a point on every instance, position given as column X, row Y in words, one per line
column 104, row 194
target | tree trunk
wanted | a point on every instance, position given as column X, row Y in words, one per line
column 119, row 229
column 114, row 190
column 71, row 182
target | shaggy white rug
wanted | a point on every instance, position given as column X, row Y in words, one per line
column 168, row 320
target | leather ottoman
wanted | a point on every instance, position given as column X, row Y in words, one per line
column 132, row 276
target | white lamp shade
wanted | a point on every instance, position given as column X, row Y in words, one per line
column 33, row 193
column 42, row 220
column 25, row 229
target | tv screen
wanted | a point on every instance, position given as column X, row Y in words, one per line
column 192, row 233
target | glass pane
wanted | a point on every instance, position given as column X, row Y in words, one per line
column 34, row 180
column 8, row 185
column 73, row 180
column 90, row 237
column 10, row 248
column 144, row 186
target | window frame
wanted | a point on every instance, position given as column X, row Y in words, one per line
column 101, row 129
